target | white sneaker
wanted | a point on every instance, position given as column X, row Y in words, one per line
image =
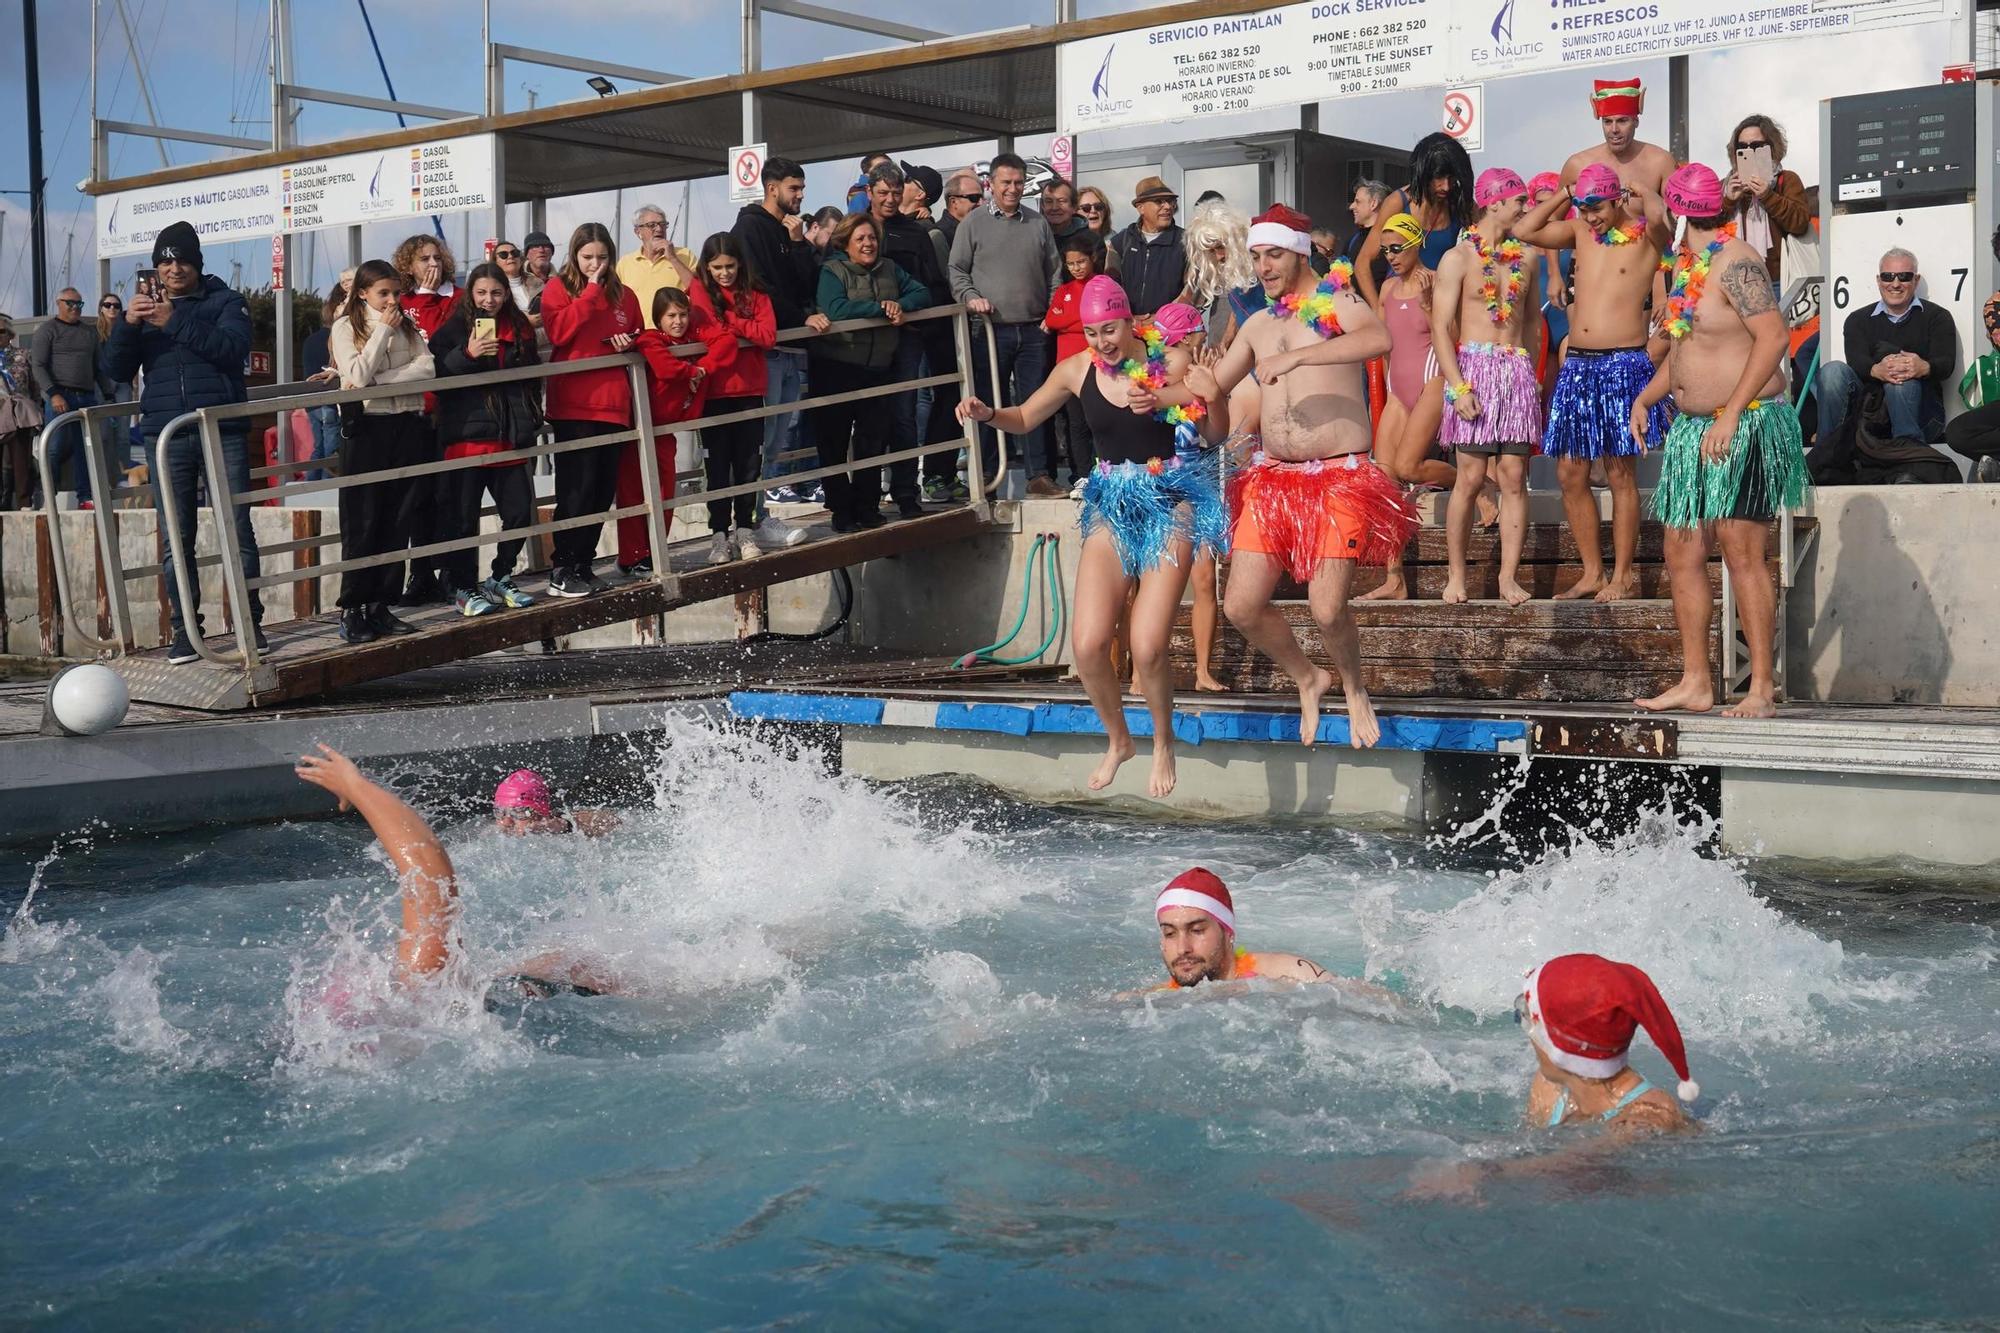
column 721, row 550
column 773, row 533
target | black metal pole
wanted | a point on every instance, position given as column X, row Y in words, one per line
column 38, row 220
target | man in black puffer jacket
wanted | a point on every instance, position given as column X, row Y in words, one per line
column 191, row 345
column 919, row 249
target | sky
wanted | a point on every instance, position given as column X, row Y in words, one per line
column 207, row 62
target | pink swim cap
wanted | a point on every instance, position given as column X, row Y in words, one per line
column 1596, row 183
column 1103, row 299
column 1178, row 321
column 1495, row 184
column 1544, row 180
column 1693, row 192
column 524, row 789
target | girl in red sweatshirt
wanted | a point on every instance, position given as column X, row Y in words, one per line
column 732, row 295
column 676, row 390
column 587, row 312
column 1065, row 320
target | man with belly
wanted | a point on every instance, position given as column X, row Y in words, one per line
column 1617, row 255
column 1312, row 504
column 1733, row 457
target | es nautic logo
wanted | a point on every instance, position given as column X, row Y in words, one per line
column 1100, row 87
column 1504, row 47
column 1101, row 102
column 1503, row 22
column 375, row 181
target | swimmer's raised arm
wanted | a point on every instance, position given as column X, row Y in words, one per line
column 430, row 888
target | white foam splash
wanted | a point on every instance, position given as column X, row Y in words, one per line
column 130, row 997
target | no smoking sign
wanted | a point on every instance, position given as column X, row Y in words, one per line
column 1465, row 115
column 746, row 173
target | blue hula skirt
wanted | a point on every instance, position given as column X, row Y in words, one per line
column 1146, row 507
column 1590, row 413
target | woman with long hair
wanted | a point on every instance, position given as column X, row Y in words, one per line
column 20, row 414
column 428, row 270
column 486, row 331
column 1219, row 271
column 1770, row 202
column 111, row 309
column 374, row 342
column 729, row 292
column 1094, row 207
column 587, row 312
column 1439, row 197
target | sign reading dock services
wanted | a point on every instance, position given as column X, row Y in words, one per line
column 443, row 176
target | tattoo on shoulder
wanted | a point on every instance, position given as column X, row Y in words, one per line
column 1748, row 284
column 1312, row 969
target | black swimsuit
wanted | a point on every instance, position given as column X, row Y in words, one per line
column 1120, row 434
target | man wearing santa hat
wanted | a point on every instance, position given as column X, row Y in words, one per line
column 1580, row 1012
column 1198, row 941
column 1312, row 504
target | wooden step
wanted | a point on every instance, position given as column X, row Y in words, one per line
column 1552, row 543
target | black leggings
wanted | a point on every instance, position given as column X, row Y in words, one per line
column 1975, row 434
column 586, row 480
column 735, row 457
column 513, row 492
column 376, row 519
column 867, row 421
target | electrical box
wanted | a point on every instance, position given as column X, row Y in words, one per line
column 1903, row 148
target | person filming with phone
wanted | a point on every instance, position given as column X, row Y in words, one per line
column 1770, row 202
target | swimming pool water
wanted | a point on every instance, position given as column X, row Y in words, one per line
column 878, row 1077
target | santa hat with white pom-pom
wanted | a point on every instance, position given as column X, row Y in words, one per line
column 1583, row 1010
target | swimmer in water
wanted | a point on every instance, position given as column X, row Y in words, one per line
column 430, row 888
column 522, row 804
column 1198, row 942
column 1580, row 1012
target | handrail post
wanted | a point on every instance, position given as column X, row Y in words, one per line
column 163, row 486
column 106, row 525
column 657, row 518
column 223, row 502
column 61, row 560
column 999, row 439
column 975, row 468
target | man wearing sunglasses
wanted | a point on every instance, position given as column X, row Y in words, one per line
column 962, row 194
column 64, row 353
column 1900, row 353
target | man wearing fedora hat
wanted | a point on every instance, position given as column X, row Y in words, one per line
column 1152, row 252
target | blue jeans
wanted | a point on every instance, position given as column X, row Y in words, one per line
column 326, row 438
column 787, row 373
column 184, row 476
column 1916, row 411
column 69, row 440
column 1024, row 364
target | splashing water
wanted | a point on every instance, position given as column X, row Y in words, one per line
column 873, row 1070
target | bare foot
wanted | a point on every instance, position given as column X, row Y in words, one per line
column 1454, row 589
column 1514, row 593
column 1752, row 705
column 1310, row 691
column 1393, row 589
column 1689, row 696
column 1115, row 754
column 1587, row 586
column 1208, row 684
column 1619, row 590
column 1362, row 728
column 1161, row 784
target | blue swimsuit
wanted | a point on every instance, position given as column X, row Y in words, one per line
column 1561, row 1110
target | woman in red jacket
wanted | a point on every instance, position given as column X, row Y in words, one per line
column 676, row 390
column 587, row 312
column 731, row 294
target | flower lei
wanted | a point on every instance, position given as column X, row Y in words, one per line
column 1499, row 302
column 1630, row 231
column 1151, row 374
column 1690, row 277
column 1315, row 308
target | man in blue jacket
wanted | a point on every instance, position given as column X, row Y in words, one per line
column 191, row 340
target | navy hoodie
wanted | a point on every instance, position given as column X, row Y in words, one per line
column 196, row 361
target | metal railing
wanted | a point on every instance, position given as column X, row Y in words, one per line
column 212, row 472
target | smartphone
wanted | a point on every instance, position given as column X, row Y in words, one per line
column 148, row 282
column 1754, row 164
column 482, row 326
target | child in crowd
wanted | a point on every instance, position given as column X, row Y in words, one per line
column 587, row 312
column 1080, row 253
column 486, row 331
column 374, row 342
column 733, row 295
column 676, row 390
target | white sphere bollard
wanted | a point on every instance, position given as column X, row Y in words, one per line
column 89, row 700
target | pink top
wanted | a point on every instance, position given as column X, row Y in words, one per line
column 1409, row 326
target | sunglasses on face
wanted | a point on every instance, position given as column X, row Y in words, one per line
column 649, row 226
column 1742, row 144
column 1090, row 208
column 1896, row 277
column 66, row 301
column 506, row 254
column 109, row 305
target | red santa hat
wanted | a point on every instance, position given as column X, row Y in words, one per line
column 1282, row 227
column 1582, row 1010
column 1616, row 97
column 1202, row 890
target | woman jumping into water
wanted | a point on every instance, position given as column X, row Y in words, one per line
column 1144, row 514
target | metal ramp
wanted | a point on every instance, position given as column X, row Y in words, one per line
column 308, row 658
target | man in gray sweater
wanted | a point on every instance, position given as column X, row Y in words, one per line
column 1004, row 267
column 64, row 353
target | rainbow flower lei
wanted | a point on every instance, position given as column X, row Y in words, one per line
column 1690, row 277
column 1315, row 309
column 1631, row 231
column 1499, row 301
column 1151, row 374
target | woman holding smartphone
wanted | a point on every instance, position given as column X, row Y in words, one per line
column 1770, row 202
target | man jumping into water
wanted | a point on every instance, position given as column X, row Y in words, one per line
column 1312, row 504
column 1198, row 941
column 1733, row 456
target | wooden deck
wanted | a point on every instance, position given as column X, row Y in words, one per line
column 308, row 659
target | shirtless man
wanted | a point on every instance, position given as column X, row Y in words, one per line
column 1313, row 504
column 1485, row 313
column 1616, row 105
column 1198, row 942
column 1733, row 456
column 1617, row 257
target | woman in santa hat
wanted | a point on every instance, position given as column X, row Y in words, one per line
column 1580, row 1012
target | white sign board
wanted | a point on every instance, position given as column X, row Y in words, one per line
column 746, row 173
column 1465, row 115
column 442, row 176
column 1332, row 49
